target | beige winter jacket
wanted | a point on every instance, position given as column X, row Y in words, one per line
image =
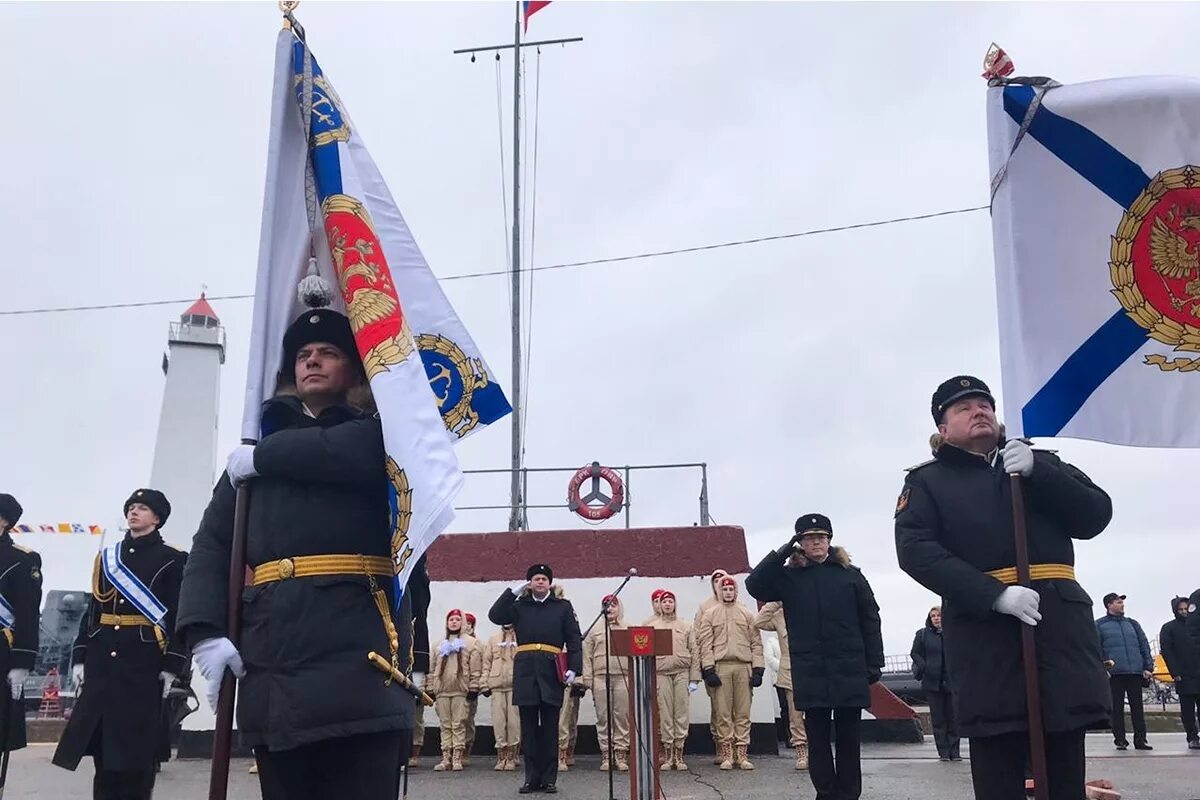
column 685, row 656
column 770, row 618
column 727, row 633
column 455, row 673
column 498, row 656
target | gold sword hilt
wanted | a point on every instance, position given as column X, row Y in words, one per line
column 380, row 663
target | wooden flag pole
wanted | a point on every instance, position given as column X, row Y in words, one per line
column 218, row 785
column 1033, row 693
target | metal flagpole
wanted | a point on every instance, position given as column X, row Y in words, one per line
column 517, row 519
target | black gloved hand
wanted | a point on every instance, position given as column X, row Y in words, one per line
column 711, row 678
column 756, row 677
column 432, row 695
column 486, row 692
column 472, row 695
column 578, row 690
column 873, row 675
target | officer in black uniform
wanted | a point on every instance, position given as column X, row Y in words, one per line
column 322, row 720
column 954, row 535
column 545, row 625
column 124, row 663
column 21, row 589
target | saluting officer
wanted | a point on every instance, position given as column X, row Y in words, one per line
column 545, row 625
column 954, row 535
column 126, row 655
column 322, row 720
column 20, row 603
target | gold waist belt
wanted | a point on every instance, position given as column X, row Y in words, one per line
column 1037, row 572
column 314, row 566
column 115, row 621
column 538, row 648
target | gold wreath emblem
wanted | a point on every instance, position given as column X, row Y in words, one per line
column 401, row 549
column 641, row 641
column 1168, row 252
column 460, row 418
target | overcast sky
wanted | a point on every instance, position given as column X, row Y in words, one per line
column 800, row 370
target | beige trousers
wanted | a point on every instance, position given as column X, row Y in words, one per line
column 568, row 720
column 732, row 702
column 620, row 715
column 452, row 712
column 673, row 708
column 419, row 728
column 795, row 721
column 472, row 710
column 506, row 719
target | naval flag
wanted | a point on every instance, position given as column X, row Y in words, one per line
column 429, row 380
column 1096, row 227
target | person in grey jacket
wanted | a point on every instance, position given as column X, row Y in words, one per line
column 1123, row 642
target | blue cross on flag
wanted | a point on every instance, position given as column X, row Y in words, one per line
column 1096, row 229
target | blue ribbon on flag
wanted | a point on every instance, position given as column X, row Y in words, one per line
column 1106, row 168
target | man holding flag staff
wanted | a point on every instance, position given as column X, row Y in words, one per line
column 127, row 655
column 954, row 535
column 321, row 719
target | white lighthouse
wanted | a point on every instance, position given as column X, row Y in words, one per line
column 186, row 448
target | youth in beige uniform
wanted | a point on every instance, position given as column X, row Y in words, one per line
column 595, row 667
column 678, row 677
column 715, row 600
column 731, row 662
column 473, row 696
column 770, row 618
column 497, row 682
column 455, row 671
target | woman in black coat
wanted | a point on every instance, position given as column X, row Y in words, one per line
column 929, row 667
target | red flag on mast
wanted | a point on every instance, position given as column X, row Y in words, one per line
column 531, row 7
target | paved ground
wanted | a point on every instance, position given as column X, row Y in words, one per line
column 890, row 772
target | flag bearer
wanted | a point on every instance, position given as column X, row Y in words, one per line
column 731, row 662
column 20, row 602
column 322, row 720
column 545, row 625
column 497, row 684
column 127, row 655
column 954, row 535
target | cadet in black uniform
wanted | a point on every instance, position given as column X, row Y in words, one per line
column 322, row 720
column 545, row 625
column 20, row 604
column 954, row 535
column 126, row 655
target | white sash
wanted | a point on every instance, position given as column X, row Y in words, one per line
column 129, row 585
column 8, row 616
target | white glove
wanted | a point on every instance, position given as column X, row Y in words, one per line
column 570, row 676
column 213, row 656
column 16, row 679
column 77, row 676
column 167, row 679
column 240, row 465
column 418, row 680
column 1018, row 458
column 692, row 687
column 1019, row 602
column 520, row 587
